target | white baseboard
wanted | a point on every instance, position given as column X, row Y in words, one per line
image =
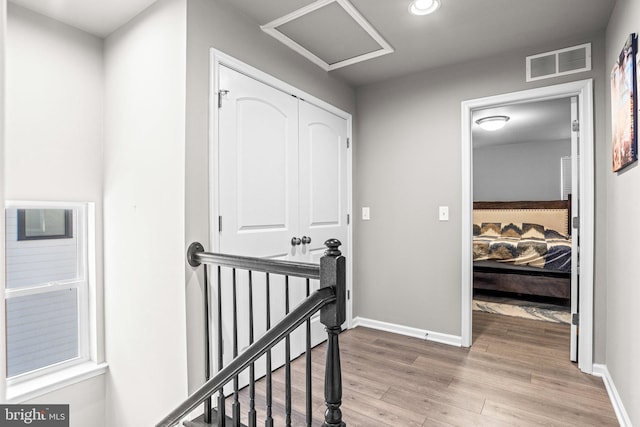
column 602, row 371
column 408, row 331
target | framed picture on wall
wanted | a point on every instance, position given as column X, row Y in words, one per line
column 623, row 106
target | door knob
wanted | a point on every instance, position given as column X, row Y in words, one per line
column 306, row 240
column 295, row 241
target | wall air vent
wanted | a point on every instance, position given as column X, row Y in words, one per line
column 560, row 62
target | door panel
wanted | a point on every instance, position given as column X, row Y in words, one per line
column 258, row 201
column 323, row 179
column 262, row 151
column 258, row 171
column 323, row 187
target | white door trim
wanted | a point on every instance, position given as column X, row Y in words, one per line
column 218, row 58
column 584, row 91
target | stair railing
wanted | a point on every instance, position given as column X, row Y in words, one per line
column 329, row 299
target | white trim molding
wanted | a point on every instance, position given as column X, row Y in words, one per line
column 408, row 331
column 55, row 381
column 583, row 89
column 621, row 413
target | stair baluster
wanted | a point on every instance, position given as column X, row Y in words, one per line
column 207, row 346
column 235, row 405
column 221, row 399
column 308, row 397
column 269, row 421
column 287, row 362
column 252, row 368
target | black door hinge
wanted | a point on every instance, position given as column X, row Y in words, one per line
column 221, row 93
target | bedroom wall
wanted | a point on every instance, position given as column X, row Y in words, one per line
column 623, row 233
column 213, row 24
column 144, row 209
column 524, row 171
column 54, row 139
column 407, row 263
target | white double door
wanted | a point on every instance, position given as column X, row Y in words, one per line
column 282, row 181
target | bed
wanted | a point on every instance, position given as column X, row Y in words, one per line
column 523, row 247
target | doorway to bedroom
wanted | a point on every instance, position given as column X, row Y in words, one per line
column 522, row 197
column 523, row 207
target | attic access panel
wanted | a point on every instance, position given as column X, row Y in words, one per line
column 330, row 33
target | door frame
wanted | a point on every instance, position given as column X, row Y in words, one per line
column 583, row 89
column 218, row 58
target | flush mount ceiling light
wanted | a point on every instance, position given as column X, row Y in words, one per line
column 492, row 123
column 423, row 7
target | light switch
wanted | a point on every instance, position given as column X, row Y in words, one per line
column 366, row 213
column 444, row 213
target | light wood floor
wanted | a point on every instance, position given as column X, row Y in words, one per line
column 517, row 373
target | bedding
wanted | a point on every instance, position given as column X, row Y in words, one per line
column 523, row 247
column 522, row 244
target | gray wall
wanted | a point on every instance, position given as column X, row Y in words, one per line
column 623, row 235
column 407, row 153
column 524, row 171
column 213, row 24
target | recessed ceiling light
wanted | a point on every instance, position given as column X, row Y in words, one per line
column 492, row 123
column 423, row 7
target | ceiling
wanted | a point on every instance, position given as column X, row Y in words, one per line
column 529, row 122
column 460, row 31
column 98, row 17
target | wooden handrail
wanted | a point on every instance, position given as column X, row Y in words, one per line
column 197, row 256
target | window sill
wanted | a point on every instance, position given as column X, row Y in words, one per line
column 44, row 384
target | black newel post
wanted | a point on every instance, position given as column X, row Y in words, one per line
column 332, row 316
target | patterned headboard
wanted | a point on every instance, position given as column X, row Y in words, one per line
column 554, row 214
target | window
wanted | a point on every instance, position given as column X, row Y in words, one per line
column 36, row 224
column 46, row 288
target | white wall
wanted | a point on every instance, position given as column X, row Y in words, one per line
column 623, row 235
column 524, row 171
column 54, row 125
column 3, row 25
column 144, row 210
column 407, row 153
column 214, row 24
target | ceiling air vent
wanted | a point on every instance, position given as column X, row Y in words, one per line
column 560, row 62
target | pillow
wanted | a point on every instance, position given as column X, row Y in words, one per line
column 511, row 230
column 553, row 234
column 491, row 228
column 532, row 231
